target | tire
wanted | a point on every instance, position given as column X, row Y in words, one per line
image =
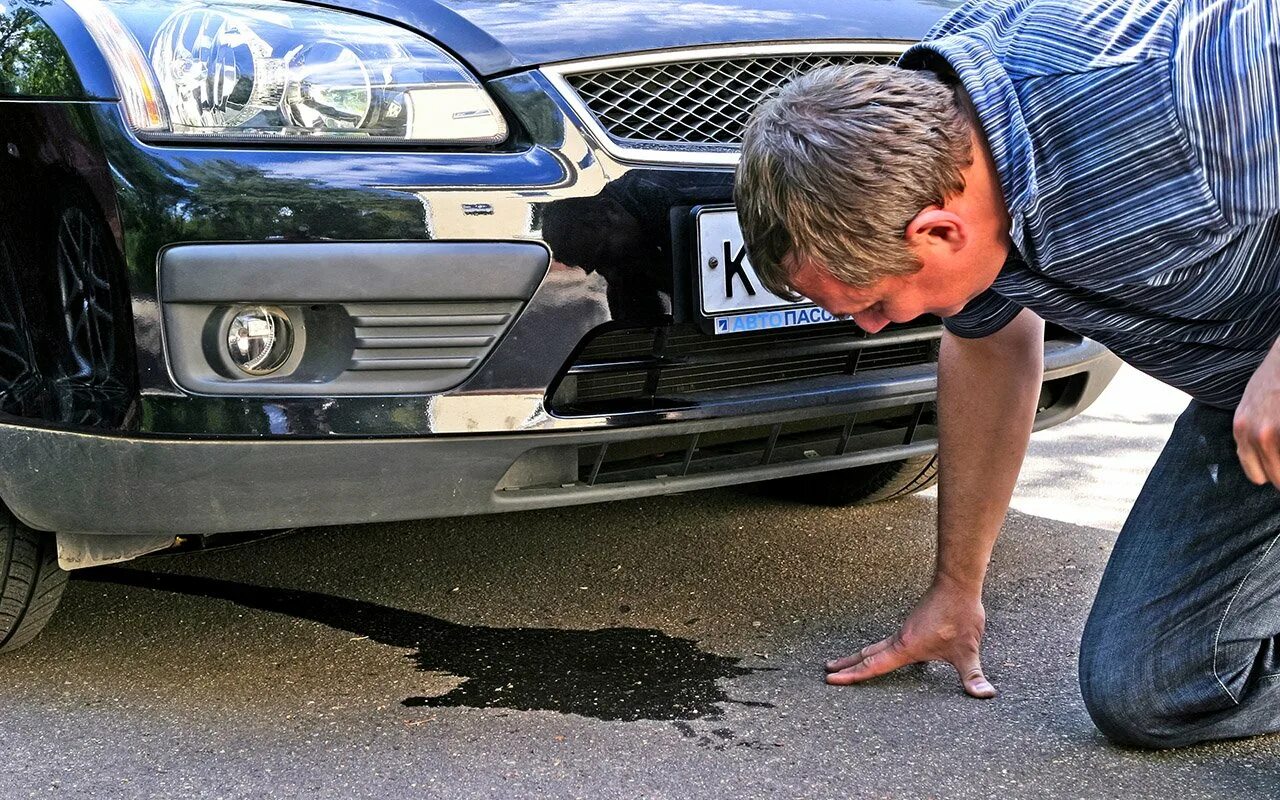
column 31, row 582
column 859, row 485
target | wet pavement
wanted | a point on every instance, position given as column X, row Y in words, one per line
column 666, row 647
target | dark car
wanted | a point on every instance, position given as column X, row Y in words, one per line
column 272, row 264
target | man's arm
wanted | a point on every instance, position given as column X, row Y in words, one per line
column 987, row 393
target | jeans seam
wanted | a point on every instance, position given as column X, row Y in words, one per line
column 1227, row 612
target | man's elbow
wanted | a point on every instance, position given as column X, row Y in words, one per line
column 1018, row 345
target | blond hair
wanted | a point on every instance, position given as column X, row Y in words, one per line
column 836, row 165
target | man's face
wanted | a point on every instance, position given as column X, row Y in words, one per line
column 937, row 289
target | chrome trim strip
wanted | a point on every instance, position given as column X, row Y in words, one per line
column 556, row 74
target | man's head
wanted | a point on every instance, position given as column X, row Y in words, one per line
column 868, row 190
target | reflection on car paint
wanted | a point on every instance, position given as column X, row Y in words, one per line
column 65, row 357
column 608, row 228
column 33, row 63
column 502, row 37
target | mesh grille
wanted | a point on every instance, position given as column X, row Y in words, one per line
column 704, row 102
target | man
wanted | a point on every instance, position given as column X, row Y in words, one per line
column 1112, row 166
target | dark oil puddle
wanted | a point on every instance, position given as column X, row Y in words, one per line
column 616, row 674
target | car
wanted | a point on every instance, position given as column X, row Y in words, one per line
column 267, row 264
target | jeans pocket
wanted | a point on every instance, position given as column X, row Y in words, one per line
column 1244, row 645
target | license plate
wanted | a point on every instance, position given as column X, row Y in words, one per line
column 730, row 293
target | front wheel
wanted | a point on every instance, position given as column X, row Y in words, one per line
column 859, row 485
column 31, row 582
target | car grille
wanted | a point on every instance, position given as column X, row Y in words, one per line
column 704, row 102
column 756, row 446
column 678, row 366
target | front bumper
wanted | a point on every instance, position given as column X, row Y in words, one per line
column 76, row 482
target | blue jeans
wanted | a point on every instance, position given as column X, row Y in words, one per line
column 1181, row 644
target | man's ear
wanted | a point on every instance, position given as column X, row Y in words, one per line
column 937, row 227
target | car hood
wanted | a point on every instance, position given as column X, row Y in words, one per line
column 495, row 36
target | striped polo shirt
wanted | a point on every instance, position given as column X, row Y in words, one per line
column 1138, row 148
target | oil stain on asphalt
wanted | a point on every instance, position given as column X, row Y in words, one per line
column 612, row 674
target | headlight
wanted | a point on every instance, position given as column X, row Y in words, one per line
column 237, row 68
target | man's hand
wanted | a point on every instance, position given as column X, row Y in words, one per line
column 946, row 625
column 1257, row 423
column 987, row 393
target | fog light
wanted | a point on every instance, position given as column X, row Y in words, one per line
column 260, row 339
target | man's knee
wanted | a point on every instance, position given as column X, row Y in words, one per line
column 1122, row 708
column 1132, row 693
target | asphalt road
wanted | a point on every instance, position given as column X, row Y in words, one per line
column 654, row 648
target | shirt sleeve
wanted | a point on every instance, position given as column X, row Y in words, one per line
column 984, row 315
column 1226, row 84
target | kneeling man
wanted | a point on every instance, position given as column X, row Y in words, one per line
column 1113, row 167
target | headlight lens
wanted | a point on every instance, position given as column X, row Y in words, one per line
column 236, row 68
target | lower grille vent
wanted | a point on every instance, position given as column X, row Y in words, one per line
column 438, row 344
column 692, row 454
column 677, row 366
